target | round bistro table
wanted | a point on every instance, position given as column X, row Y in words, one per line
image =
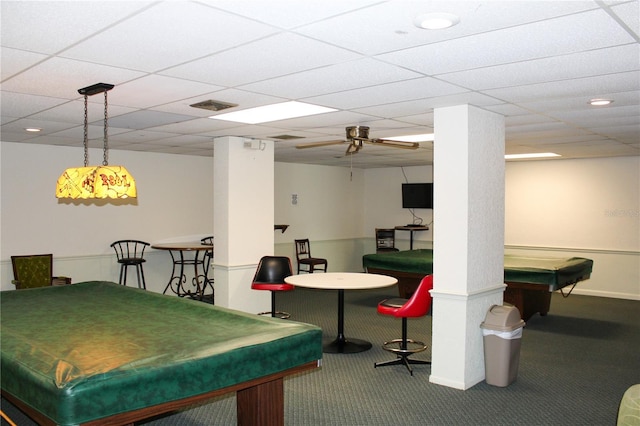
column 178, row 279
column 342, row 281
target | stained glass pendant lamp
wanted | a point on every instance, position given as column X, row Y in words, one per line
column 103, row 181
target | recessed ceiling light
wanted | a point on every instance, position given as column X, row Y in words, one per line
column 532, row 155
column 33, row 129
column 273, row 112
column 436, row 21
column 600, row 102
column 425, row 137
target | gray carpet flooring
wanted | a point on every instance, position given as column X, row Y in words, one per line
column 575, row 365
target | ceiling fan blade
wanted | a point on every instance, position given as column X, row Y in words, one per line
column 318, row 144
column 394, row 144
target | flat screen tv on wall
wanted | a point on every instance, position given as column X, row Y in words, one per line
column 417, row 195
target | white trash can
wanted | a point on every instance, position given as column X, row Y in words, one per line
column 502, row 334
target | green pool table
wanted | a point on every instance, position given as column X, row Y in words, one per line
column 101, row 353
column 530, row 280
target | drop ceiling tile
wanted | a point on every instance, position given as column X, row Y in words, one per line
column 69, row 21
column 146, row 119
column 69, row 77
column 277, row 55
column 388, row 26
column 559, row 68
column 588, row 87
column 144, row 93
column 584, row 31
column 282, row 15
column 242, row 98
column 421, row 88
column 154, row 39
column 629, row 13
column 335, row 78
column 20, row 104
column 14, row 61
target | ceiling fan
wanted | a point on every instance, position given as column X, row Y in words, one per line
column 356, row 137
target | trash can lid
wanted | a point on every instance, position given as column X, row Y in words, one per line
column 503, row 318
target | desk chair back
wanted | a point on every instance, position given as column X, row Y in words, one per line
column 385, row 239
column 32, row 271
column 306, row 262
column 130, row 253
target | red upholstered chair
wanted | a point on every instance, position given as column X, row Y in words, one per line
column 418, row 305
column 270, row 275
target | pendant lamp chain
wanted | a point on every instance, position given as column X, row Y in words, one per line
column 105, row 149
column 86, row 132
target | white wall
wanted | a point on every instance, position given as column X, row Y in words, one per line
column 586, row 208
column 329, row 211
column 383, row 201
column 174, row 200
column 596, row 200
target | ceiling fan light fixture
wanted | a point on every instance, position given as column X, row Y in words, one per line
column 436, row 21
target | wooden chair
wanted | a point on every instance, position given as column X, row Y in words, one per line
column 32, row 271
column 304, row 258
column 130, row 253
column 270, row 275
column 385, row 240
column 418, row 305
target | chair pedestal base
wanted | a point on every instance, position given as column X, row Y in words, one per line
column 403, row 349
column 277, row 314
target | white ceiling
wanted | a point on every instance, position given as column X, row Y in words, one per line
column 536, row 62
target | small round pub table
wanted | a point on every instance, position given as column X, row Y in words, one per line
column 342, row 281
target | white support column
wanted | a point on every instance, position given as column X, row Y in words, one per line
column 468, row 239
column 243, row 219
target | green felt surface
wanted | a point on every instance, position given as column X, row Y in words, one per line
column 90, row 350
column 553, row 272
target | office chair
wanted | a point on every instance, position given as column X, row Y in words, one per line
column 130, row 253
column 418, row 305
column 270, row 275
column 303, row 256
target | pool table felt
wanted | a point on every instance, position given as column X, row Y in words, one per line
column 91, row 350
column 553, row 272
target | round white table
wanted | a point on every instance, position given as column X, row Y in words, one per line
column 342, row 281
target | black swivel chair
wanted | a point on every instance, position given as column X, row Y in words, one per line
column 270, row 275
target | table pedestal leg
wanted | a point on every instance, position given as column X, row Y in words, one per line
column 341, row 344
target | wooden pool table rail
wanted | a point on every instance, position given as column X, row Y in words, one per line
column 258, row 402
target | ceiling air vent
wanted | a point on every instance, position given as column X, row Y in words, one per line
column 212, row 105
column 286, row 137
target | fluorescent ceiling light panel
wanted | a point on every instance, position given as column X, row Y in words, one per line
column 533, row 155
column 425, row 137
column 275, row 112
